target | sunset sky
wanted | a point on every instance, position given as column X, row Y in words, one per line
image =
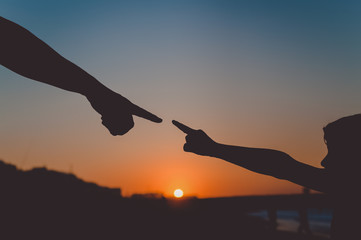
column 267, row 74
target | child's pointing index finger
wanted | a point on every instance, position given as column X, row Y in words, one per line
column 182, row 127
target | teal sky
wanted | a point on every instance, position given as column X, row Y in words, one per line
column 253, row 73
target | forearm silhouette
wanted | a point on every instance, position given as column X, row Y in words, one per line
column 25, row 54
column 264, row 161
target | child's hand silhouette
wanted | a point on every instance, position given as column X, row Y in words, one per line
column 197, row 141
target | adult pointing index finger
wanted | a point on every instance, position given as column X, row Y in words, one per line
column 140, row 112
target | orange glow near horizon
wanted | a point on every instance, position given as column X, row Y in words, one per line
column 199, row 176
column 163, row 166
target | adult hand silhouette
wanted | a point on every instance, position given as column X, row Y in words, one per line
column 197, row 141
column 117, row 112
column 25, row 54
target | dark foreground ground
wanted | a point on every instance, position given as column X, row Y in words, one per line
column 42, row 204
column 282, row 235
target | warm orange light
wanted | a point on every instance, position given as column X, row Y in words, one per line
column 178, row 193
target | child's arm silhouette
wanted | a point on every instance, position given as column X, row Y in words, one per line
column 265, row 161
column 27, row 55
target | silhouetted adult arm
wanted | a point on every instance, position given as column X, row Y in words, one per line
column 265, row 161
column 27, row 55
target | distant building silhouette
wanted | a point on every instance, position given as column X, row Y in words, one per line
column 50, row 182
column 147, row 196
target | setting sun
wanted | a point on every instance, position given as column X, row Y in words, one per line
column 178, row 193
